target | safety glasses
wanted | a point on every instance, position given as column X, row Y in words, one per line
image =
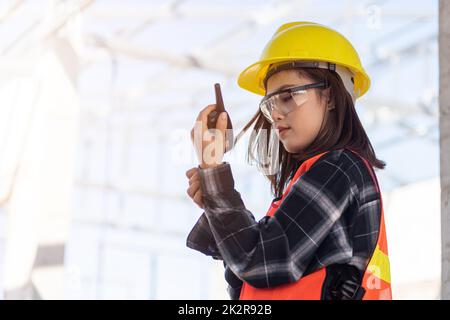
column 287, row 100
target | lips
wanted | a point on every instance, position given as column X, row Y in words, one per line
column 281, row 129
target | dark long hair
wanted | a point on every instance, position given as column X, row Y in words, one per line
column 341, row 128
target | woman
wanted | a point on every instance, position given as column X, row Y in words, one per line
column 323, row 236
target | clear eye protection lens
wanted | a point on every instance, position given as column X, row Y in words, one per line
column 266, row 108
column 300, row 97
column 287, row 102
column 284, row 103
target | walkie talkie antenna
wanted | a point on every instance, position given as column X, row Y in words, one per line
column 212, row 117
column 219, row 100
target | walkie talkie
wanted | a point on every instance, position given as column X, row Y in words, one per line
column 213, row 116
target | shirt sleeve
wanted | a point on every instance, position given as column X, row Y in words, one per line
column 201, row 239
column 275, row 250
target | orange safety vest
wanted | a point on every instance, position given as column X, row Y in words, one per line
column 376, row 280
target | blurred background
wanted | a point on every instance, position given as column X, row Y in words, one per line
column 97, row 99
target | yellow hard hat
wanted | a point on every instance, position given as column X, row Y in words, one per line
column 307, row 41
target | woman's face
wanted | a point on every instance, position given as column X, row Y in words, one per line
column 303, row 124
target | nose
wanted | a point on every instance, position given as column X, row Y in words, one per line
column 276, row 115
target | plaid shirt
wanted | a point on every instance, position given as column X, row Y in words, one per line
column 331, row 215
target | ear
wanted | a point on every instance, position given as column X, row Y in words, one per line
column 330, row 105
column 326, row 94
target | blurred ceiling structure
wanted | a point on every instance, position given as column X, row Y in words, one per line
column 173, row 41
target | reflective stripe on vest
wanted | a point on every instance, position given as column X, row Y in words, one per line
column 376, row 280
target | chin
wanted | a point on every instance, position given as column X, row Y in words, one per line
column 295, row 147
column 292, row 149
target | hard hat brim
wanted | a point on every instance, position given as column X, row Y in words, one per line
column 251, row 78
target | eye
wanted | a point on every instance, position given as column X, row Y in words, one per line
column 285, row 97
